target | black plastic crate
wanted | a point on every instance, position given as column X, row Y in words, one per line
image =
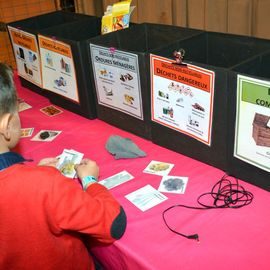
column 76, row 35
column 33, row 26
column 130, row 45
column 250, row 160
column 219, row 53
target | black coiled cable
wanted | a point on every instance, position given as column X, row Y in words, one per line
column 224, row 194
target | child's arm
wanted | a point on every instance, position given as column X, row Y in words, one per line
column 94, row 212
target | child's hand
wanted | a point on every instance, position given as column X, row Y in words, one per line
column 48, row 162
column 87, row 168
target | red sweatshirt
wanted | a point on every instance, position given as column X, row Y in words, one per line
column 44, row 215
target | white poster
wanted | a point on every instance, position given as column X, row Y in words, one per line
column 117, row 80
column 252, row 126
column 26, row 55
column 58, row 71
column 182, row 97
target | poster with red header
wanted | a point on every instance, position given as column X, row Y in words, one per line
column 182, row 97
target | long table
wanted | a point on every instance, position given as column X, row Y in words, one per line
column 229, row 238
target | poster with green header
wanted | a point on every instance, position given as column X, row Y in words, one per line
column 252, row 126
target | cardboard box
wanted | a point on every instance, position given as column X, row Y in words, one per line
column 261, row 130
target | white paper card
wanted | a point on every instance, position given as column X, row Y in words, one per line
column 116, row 179
column 46, row 135
column 67, row 161
column 146, row 197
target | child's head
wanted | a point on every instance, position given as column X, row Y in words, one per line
column 10, row 126
column 8, row 95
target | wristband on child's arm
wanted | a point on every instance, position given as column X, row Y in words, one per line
column 87, row 180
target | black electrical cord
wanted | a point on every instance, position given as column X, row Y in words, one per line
column 225, row 194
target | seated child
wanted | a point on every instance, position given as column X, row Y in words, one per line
column 45, row 218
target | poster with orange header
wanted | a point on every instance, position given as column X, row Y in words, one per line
column 182, row 97
column 26, row 55
column 58, row 70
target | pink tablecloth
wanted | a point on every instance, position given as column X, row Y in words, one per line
column 229, row 238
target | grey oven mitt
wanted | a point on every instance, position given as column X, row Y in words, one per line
column 123, row 147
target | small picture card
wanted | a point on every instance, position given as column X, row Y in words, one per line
column 68, row 159
column 159, row 168
column 46, row 135
column 51, row 110
column 23, row 105
column 116, row 179
column 26, row 132
column 173, row 184
column 146, row 197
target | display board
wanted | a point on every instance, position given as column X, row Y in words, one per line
column 252, row 125
column 117, row 80
column 27, row 56
column 182, row 97
column 58, row 71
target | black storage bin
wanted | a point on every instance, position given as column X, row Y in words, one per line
column 76, row 35
column 137, row 41
column 35, row 24
column 257, row 137
column 217, row 52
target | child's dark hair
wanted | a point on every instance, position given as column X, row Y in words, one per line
column 8, row 95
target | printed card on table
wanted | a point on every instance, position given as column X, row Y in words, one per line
column 26, row 132
column 51, row 110
column 68, row 159
column 116, row 180
column 173, row 184
column 146, row 197
column 23, row 105
column 46, row 135
column 159, row 168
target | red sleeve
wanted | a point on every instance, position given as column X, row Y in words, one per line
column 94, row 212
